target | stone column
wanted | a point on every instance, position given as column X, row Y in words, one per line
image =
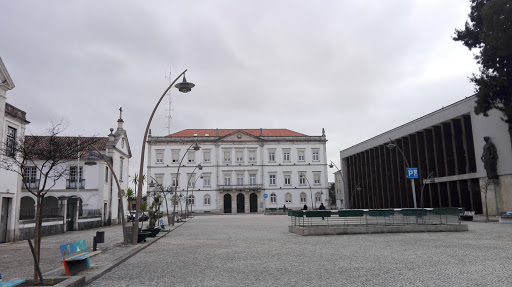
column 75, row 216
column 64, row 211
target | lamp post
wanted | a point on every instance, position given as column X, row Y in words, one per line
column 175, row 198
column 310, row 191
column 392, row 145
column 164, row 192
column 331, row 165
column 429, row 178
column 183, row 87
column 119, row 190
column 358, row 188
column 201, row 176
column 188, row 184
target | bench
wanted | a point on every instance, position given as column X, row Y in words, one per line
column 76, row 257
column 11, row 283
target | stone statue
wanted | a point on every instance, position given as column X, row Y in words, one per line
column 490, row 158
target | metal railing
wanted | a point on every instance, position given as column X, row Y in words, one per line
column 384, row 217
column 72, row 184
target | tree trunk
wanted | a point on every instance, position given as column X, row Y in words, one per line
column 37, row 238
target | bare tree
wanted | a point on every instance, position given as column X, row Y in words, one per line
column 484, row 187
column 48, row 155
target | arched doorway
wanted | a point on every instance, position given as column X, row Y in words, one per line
column 227, row 203
column 240, row 203
column 253, row 202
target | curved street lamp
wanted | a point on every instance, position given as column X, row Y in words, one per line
column 164, row 191
column 183, row 87
column 392, row 145
column 188, row 184
column 331, row 165
column 201, row 176
column 310, row 191
column 195, row 147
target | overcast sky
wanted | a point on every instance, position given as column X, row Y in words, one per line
column 356, row 68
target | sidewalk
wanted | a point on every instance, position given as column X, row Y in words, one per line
column 16, row 259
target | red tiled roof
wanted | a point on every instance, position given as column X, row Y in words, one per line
column 224, row 132
column 43, row 141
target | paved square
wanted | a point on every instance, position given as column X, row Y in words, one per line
column 257, row 250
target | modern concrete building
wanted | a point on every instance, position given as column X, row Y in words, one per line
column 245, row 170
column 87, row 196
column 12, row 130
column 446, row 147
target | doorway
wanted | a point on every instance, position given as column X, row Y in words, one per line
column 253, row 202
column 240, row 203
column 4, row 219
column 227, row 203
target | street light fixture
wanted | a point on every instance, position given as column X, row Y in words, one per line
column 164, row 191
column 310, row 191
column 331, row 165
column 89, row 161
column 391, row 145
column 201, row 176
column 183, row 87
column 351, row 201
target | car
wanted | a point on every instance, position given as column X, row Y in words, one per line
column 143, row 217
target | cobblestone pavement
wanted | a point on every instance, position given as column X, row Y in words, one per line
column 16, row 259
column 258, row 250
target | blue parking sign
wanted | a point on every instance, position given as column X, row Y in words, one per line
column 412, row 172
column 265, row 195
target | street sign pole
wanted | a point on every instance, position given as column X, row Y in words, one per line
column 414, row 193
column 412, row 173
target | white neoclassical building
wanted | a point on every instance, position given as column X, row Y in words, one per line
column 243, row 170
column 12, row 129
column 87, row 196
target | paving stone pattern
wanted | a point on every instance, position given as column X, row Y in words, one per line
column 258, row 250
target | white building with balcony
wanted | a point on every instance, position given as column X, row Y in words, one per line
column 12, row 130
column 243, row 171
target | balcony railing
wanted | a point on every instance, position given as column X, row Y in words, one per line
column 72, row 184
column 251, row 187
column 33, row 184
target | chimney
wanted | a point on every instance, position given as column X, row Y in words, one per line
column 111, row 136
column 261, row 132
column 217, row 132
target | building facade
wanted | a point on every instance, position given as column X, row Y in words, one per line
column 446, row 146
column 242, row 171
column 87, row 196
column 12, row 130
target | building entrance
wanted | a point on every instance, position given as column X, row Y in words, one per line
column 4, row 219
column 253, row 202
column 240, row 203
column 227, row 203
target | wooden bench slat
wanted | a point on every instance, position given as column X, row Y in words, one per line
column 82, row 256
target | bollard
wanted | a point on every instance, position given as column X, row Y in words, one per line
column 94, row 244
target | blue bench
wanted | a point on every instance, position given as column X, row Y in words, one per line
column 76, row 257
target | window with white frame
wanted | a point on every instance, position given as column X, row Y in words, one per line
column 159, row 178
column 302, row 178
column 316, row 155
column 273, row 198
column 303, row 197
column 239, row 155
column 207, row 199
column 318, row 197
column 272, row 179
column 288, row 197
column 175, row 156
column 159, row 156
column 271, row 155
column 286, row 155
column 227, row 179
column 206, row 181
column 316, row 178
column 191, row 179
column 191, row 156
column 175, row 181
column 10, row 150
column 287, row 179
column 30, row 177
column 227, row 155
column 106, row 174
column 300, row 155
column 252, row 155
column 206, row 156
column 191, row 199
column 76, row 177
column 252, row 179
column 121, row 167
column 240, row 179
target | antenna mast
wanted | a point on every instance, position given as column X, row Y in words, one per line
column 168, row 111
